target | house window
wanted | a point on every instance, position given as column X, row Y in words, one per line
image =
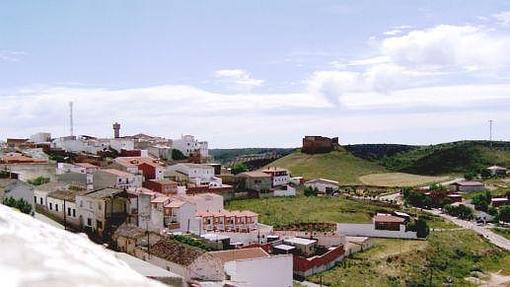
column 56, row 207
column 74, row 212
column 99, row 224
column 89, row 222
column 35, row 199
column 41, row 200
column 69, row 211
column 51, row 206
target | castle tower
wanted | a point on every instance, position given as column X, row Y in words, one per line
column 116, row 130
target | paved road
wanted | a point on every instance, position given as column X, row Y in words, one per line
column 487, row 233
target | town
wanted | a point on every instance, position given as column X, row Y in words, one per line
column 168, row 203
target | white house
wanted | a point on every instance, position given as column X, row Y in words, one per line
column 116, row 178
column 187, row 144
column 255, row 267
column 323, row 185
column 40, row 138
column 196, row 173
column 279, row 176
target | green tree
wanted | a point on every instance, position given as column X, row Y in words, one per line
column 504, row 213
column 470, row 175
column 238, row 168
column 422, row 228
column 310, row 191
column 177, row 155
column 39, row 180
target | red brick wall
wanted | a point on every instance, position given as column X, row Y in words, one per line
column 301, row 264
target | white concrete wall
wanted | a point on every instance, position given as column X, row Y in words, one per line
column 370, row 231
column 291, row 191
column 274, row 271
column 322, row 186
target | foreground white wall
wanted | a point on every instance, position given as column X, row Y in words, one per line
column 275, row 271
column 36, row 254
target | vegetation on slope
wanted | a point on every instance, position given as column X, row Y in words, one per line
column 445, row 258
column 456, row 157
column 227, row 155
column 338, row 165
column 302, row 209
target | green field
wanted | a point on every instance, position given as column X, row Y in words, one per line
column 283, row 211
column 393, row 179
column 337, row 165
column 446, row 257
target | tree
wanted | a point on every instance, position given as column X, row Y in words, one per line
column 482, row 201
column 310, row 191
column 485, row 173
column 177, row 155
column 504, row 213
column 422, row 228
column 470, row 175
column 238, row 168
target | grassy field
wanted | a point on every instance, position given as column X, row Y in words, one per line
column 400, row 179
column 447, row 256
column 338, row 165
column 503, row 232
column 283, row 211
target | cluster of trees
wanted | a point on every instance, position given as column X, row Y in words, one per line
column 504, row 214
column 238, row 168
column 419, row 226
column 482, row 201
column 438, row 197
column 39, row 180
column 461, row 211
column 20, row 204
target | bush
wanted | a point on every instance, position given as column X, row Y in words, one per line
column 461, row 211
column 238, row 168
column 39, row 180
column 177, row 155
column 21, row 204
column 310, row 191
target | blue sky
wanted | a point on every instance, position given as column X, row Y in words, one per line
column 257, row 73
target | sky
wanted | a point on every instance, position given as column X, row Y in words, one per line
column 258, row 73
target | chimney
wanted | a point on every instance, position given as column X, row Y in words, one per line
column 116, row 130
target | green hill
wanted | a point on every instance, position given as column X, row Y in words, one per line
column 455, row 157
column 338, row 165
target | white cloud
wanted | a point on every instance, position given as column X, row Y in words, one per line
column 11, row 56
column 237, row 80
column 447, row 46
column 503, row 17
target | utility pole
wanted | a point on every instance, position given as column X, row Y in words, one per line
column 490, row 133
column 71, row 125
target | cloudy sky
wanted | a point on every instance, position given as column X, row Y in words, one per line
column 258, row 73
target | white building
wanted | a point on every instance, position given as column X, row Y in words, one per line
column 187, row 144
column 196, row 173
column 116, row 178
column 252, row 267
column 279, row 176
column 40, row 138
column 323, row 185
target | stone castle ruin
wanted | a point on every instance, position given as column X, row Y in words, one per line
column 319, row 144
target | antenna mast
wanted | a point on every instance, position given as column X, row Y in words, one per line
column 71, row 118
column 490, row 132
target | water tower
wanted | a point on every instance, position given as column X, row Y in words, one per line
column 116, row 130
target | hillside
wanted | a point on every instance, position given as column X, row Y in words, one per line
column 227, row 155
column 455, row 157
column 338, row 165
